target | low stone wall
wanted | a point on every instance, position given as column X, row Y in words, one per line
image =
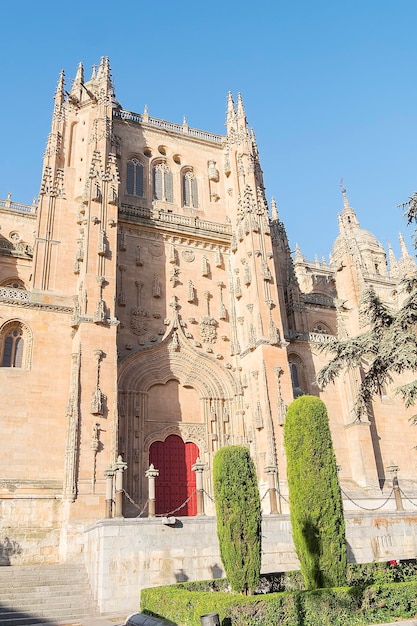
column 125, row 555
column 30, row 530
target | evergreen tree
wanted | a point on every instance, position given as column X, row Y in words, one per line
column 387, row 347
column 238, row 510
column 316, row 508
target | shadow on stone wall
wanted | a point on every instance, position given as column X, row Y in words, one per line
column 8, row 548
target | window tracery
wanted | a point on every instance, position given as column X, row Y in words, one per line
column 163, row 187
column 14, row 348
column 134, row 178
column 189, row 190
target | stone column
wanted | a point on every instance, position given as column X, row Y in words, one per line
column 199, row 468
column 109, row 474
column 119, row 467
column 151, row 473
column 275, row 504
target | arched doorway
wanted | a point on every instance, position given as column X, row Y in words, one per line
column 176, row 481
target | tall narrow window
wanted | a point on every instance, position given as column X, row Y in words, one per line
column 134, row 178
column 163, row 188
column 189, row 190
column 13, row 345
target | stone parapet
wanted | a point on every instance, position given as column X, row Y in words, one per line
column 127, row 555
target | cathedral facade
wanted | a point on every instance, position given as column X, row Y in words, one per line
column 151, row 312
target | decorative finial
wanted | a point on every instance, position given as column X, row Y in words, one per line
column 274, row 209
column 230, row 114
column 240, row 107
column 345, row 198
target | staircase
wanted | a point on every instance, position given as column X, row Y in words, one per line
column 46, row 595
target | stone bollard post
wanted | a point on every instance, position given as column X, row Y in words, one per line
column 151, row 473
column 394, row 469
column 109, row 474
column 119, row 467
column 275, row 504
column 199, row 468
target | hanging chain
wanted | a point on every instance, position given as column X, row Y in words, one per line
column 178, row 507
column 134, row 503
column 364, row 508
column 407, row 498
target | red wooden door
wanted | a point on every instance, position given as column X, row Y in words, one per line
column 176, row 481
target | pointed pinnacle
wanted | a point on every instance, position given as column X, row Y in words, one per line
column 274, row 209
column 404, row 251
column 230, row 114
column 60, row 92
column 240, row 106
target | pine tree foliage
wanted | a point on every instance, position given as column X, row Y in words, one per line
column 316, row 508
column 388, row 347
column 238, row 510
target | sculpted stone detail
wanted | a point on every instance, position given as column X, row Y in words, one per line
column 73, row 417
column 98, row 398
column 156, row 287
column 188, row 256
column 138, row 259
column 205, row 268
column 208, row 329
column 155, row 249
column 190, row 292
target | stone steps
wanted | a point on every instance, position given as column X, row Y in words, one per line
column 45, row 594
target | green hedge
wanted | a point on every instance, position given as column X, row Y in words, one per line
column 345, row 606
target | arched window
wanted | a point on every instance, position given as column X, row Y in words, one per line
column 134, row 178
column 297, row 375
column 189, row 190
column 15, row 345
column 163, row 183
column 12, row 349
column 321, row 329
column 13, row 283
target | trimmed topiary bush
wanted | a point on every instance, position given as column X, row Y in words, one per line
column 345, row 606
column 238, row 510
column 316, row 508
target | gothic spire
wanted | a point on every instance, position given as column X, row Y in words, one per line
column 403, row 246
column 104, row 75
column 79, row 77
column 393, row 264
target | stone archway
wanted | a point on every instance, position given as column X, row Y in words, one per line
column 171, row 389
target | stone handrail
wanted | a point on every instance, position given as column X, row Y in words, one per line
column 312, row 337
column 172, row 218
column 18, row 206
column 183, row 129
column 11, row 293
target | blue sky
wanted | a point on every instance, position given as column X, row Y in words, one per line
column 329, row 88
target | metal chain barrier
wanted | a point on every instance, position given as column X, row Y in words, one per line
column 134, row 503
column 265, row 494
column 364, row 508
column 179, row 507
column 208, row 495
column 407, row 498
